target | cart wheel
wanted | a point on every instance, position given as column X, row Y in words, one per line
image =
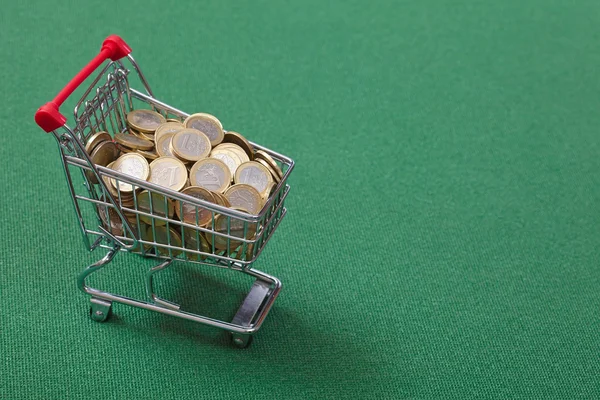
column 241, row 341
column 100, row 310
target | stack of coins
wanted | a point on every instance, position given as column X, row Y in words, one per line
column 196, row 157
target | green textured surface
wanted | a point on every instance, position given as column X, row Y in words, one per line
column 442, row 237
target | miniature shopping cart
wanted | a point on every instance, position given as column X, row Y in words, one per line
column 109, row 223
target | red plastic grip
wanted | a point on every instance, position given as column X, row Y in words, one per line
column 48, row 116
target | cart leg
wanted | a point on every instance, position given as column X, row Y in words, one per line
column 100, row 309
column 152, row 297
column 242, row 341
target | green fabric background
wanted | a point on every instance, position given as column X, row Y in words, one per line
column 442, row 236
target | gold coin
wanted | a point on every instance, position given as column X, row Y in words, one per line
column 263, row 155
column 104, row 153
column 149, row 154
column 132, row 164
column 233, row 227
column 174, row 120
column 168, row 172
column 145, row 120
column 95, row 139
column 162, row 237
column 236, row 138
column 245, row 197
column 239, row 152
column 255, row 175
column 167, row 127
column 207, row 124
column 228, row 156
column 194, row 240
column 163, row 145
column 191, row 145
column 133, row 142
column 187, row 212
column 211, row 174
column 155, row 204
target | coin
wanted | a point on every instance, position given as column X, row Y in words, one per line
column 194, row 240
column 187, row 212
column 273, row 173
column 228, row 156
column 145, row 120
column 104, row 153
column 245, row 197
column 132, row 164
column 211, row 174
column 236, row 230
column 95, row 139
column 255, row 175
column 163, row 145
column 168, row 172
column 110, row 219
column 167, row 127
column 191, row 144
column 220, row 199
column 174, row 120
column 263, row 155
column 154, row 204
column 133, row 142
column 123, row 149
column 239, row 152
column 207, row 124
column 236, row 138
column 164, row 236
column 149, row 154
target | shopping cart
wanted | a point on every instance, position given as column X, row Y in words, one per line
column 108, row 222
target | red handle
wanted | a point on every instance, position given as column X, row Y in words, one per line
column 48, row 116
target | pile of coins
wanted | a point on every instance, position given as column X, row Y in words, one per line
column 195, row 157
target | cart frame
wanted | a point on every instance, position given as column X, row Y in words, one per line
column 115, row 225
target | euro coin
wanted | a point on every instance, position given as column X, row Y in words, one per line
column 167, row 127
column 133, row 142
column 239, row 152
column 163, row 145
column 236, row 138
column 211, row 174
column 145, row 120
column 207, row 124
column 95, row 139
column 156, row 205
column 131, row 164
column 104, row 153
column 149, row 154
column 168, row 172
column 220, row 199
column 187, row 212
column 228, row 156
column 244, row 197
column 194, row 240
column 273, row 173
column 164, row 236
column 110, row 220
column 174, row 120
column 233, row 227
column 191, row 145
column 263, row 155
column 255, row 175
